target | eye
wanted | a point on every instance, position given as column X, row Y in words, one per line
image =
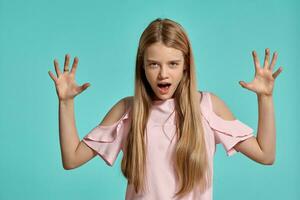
column 173, row 64
column 153, row 65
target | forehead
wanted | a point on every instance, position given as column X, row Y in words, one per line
column 159, row 51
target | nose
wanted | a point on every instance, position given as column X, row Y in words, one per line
column 163, row 72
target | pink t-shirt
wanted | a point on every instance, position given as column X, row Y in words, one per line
column 108, row 141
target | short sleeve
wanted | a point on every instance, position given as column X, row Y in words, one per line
column 226, row 132
column 107, row 141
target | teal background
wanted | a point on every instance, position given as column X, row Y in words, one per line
column 104, row 35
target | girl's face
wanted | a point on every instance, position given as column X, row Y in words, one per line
column 164, row 67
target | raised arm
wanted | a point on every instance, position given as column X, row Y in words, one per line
column 73, row 151
column 261, row 148
column 67, row 89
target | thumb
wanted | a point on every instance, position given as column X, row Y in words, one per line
column 84, row 86
column 243, row 84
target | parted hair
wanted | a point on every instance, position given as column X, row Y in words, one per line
column 190, row 157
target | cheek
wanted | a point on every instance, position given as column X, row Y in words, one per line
column 178, row 76
column 150, row 77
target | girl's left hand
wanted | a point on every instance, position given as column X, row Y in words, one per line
column 263, row 82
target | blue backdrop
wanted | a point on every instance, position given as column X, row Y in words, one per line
column 105, row 38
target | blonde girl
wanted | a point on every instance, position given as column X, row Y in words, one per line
column 168, row 130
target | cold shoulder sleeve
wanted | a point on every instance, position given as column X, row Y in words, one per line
column 107, row 141
column 226, row 132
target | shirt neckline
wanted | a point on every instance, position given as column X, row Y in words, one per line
column 162, row 101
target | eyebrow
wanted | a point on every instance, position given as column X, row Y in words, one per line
column 151, row 60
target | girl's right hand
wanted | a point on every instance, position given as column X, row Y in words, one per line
column 66, row 87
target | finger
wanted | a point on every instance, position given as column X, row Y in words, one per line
column 255, row 59
column 267, row 58
column 279, row 70
column 274, row 58
column 57, row 70
column 52, row 76
column 74, row 66
column 245, row 85
column 67, row 60
column 84, row 86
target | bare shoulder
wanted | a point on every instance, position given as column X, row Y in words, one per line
column 129, row 100
column 116, row 111
column 83, row 152
column 220, row 107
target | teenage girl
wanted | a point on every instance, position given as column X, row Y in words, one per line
column 168, row 130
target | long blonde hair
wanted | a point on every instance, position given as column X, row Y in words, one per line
column 190, row 159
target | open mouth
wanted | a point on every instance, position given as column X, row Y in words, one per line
column 164, row 87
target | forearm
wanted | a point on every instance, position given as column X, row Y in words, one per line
column 266, row 134
column 68, row 136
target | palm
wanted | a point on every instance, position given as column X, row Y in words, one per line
column 66, row 86
column 264, row 79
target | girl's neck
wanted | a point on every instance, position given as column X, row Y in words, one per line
column 160, row 101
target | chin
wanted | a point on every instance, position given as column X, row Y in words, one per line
column 164, row 96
